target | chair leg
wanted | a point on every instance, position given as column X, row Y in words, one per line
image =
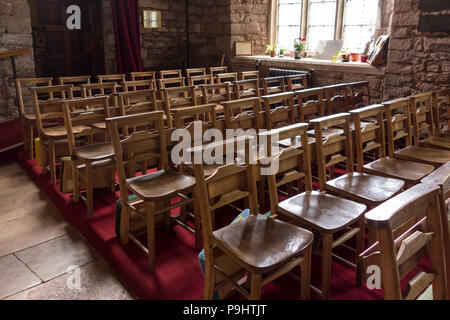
column 52, row 162
column 210, row 275
column 360, row 239
column 113, row 180
column 75, row 183
column 306, row 274
column 89, row 191
column 327, row 242
column 197, row 223
column 124, row 223
column 31, row 142
column 262, row 194
column 255, row 286
column 150, row 209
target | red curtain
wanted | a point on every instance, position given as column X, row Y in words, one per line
column 127, row 34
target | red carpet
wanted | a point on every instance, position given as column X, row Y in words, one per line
column 10, row 135
column 178, row 274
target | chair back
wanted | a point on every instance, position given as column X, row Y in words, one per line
column 441, row 106
column 146, row 75
column 297, row 82
column 246, row 88
column 139, row 143
column 279, row 110
column 247, row 75
column 24, row 93
column 334, row 148
column 359, row 94
column 338, row 98
column 167, row 74
column 243, row 114
column 398, row 122
column 184, row 115
column 216, row 70
column 117, row 78
column 422, row 116
column 176, row 98
column 310, row 103
column 195, row 72
column 226, row 77
column 397, row 257
column 76, row 81
column 83, row 120
column 135, row 102
column 216, row 93
column 100, row 89
column 50, row 109
column 371, row 136
column 273, row 85
column 171, row 83
column 137, row 85
column 199, row 80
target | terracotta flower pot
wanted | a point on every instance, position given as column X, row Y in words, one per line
column 355, row 57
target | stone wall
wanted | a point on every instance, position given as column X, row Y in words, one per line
column 109, row 38
column 165, row 47
column 15, row 33
column 418, row 61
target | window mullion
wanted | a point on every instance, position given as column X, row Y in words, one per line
column 274, row 22
column 339, row 26
column 304, row 19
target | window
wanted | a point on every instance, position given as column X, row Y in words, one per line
column 353, row 21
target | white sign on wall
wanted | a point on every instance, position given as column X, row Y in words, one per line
column 74, row 20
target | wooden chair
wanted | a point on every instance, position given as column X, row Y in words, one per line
column 89, row 159
column 216, row 93
column 398, row 124
column 195, row 72
column 171, row 83
column 441, row 107
column 49, row 122
column 273, row 85
column 359, row 94
column 265, row 248
column 247, row 75
column 441, row 178
column 226, row 77
column 338, row 99
column 371, row 138
column 117, row 78
column 368, row 189
column 397, row 256
column 424, row 125
column 279, row 110
column 146, row 149
column 101, row 89
column 138, row 85
column 176, row 98
column 216, row 70
column 75, row 81
column 167, row 74
column 297, row 82
column 28, row 117
column 324, row 214
column 135, row 102
column 246, row 89
column 146, row 75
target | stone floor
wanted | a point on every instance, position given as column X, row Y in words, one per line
column 41, row 256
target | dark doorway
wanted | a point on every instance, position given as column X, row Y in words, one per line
column 59, row 51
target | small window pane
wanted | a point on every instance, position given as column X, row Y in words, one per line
column 321, row 22
column 289, row 19
column 360, row 22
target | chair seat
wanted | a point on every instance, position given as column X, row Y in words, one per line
column 326, row 132
column 101, row 164
column 323, row 212
column 160, row 184
column 100, row 125
column 295, row 142
column 436, row 142
column 247, row 93
column 274, row 90
column 95, row 152
column 435, row 157
column 61, row 132
column 207, row 169
column 263, row 243
column 29, row 116
column 366, row 188
column 405, row 170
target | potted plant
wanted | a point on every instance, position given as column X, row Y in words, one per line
column 344, row 55
column 282, row 52
column 299, row 46
column 271, row 49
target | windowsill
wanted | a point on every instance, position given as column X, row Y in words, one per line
column 348, row 67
